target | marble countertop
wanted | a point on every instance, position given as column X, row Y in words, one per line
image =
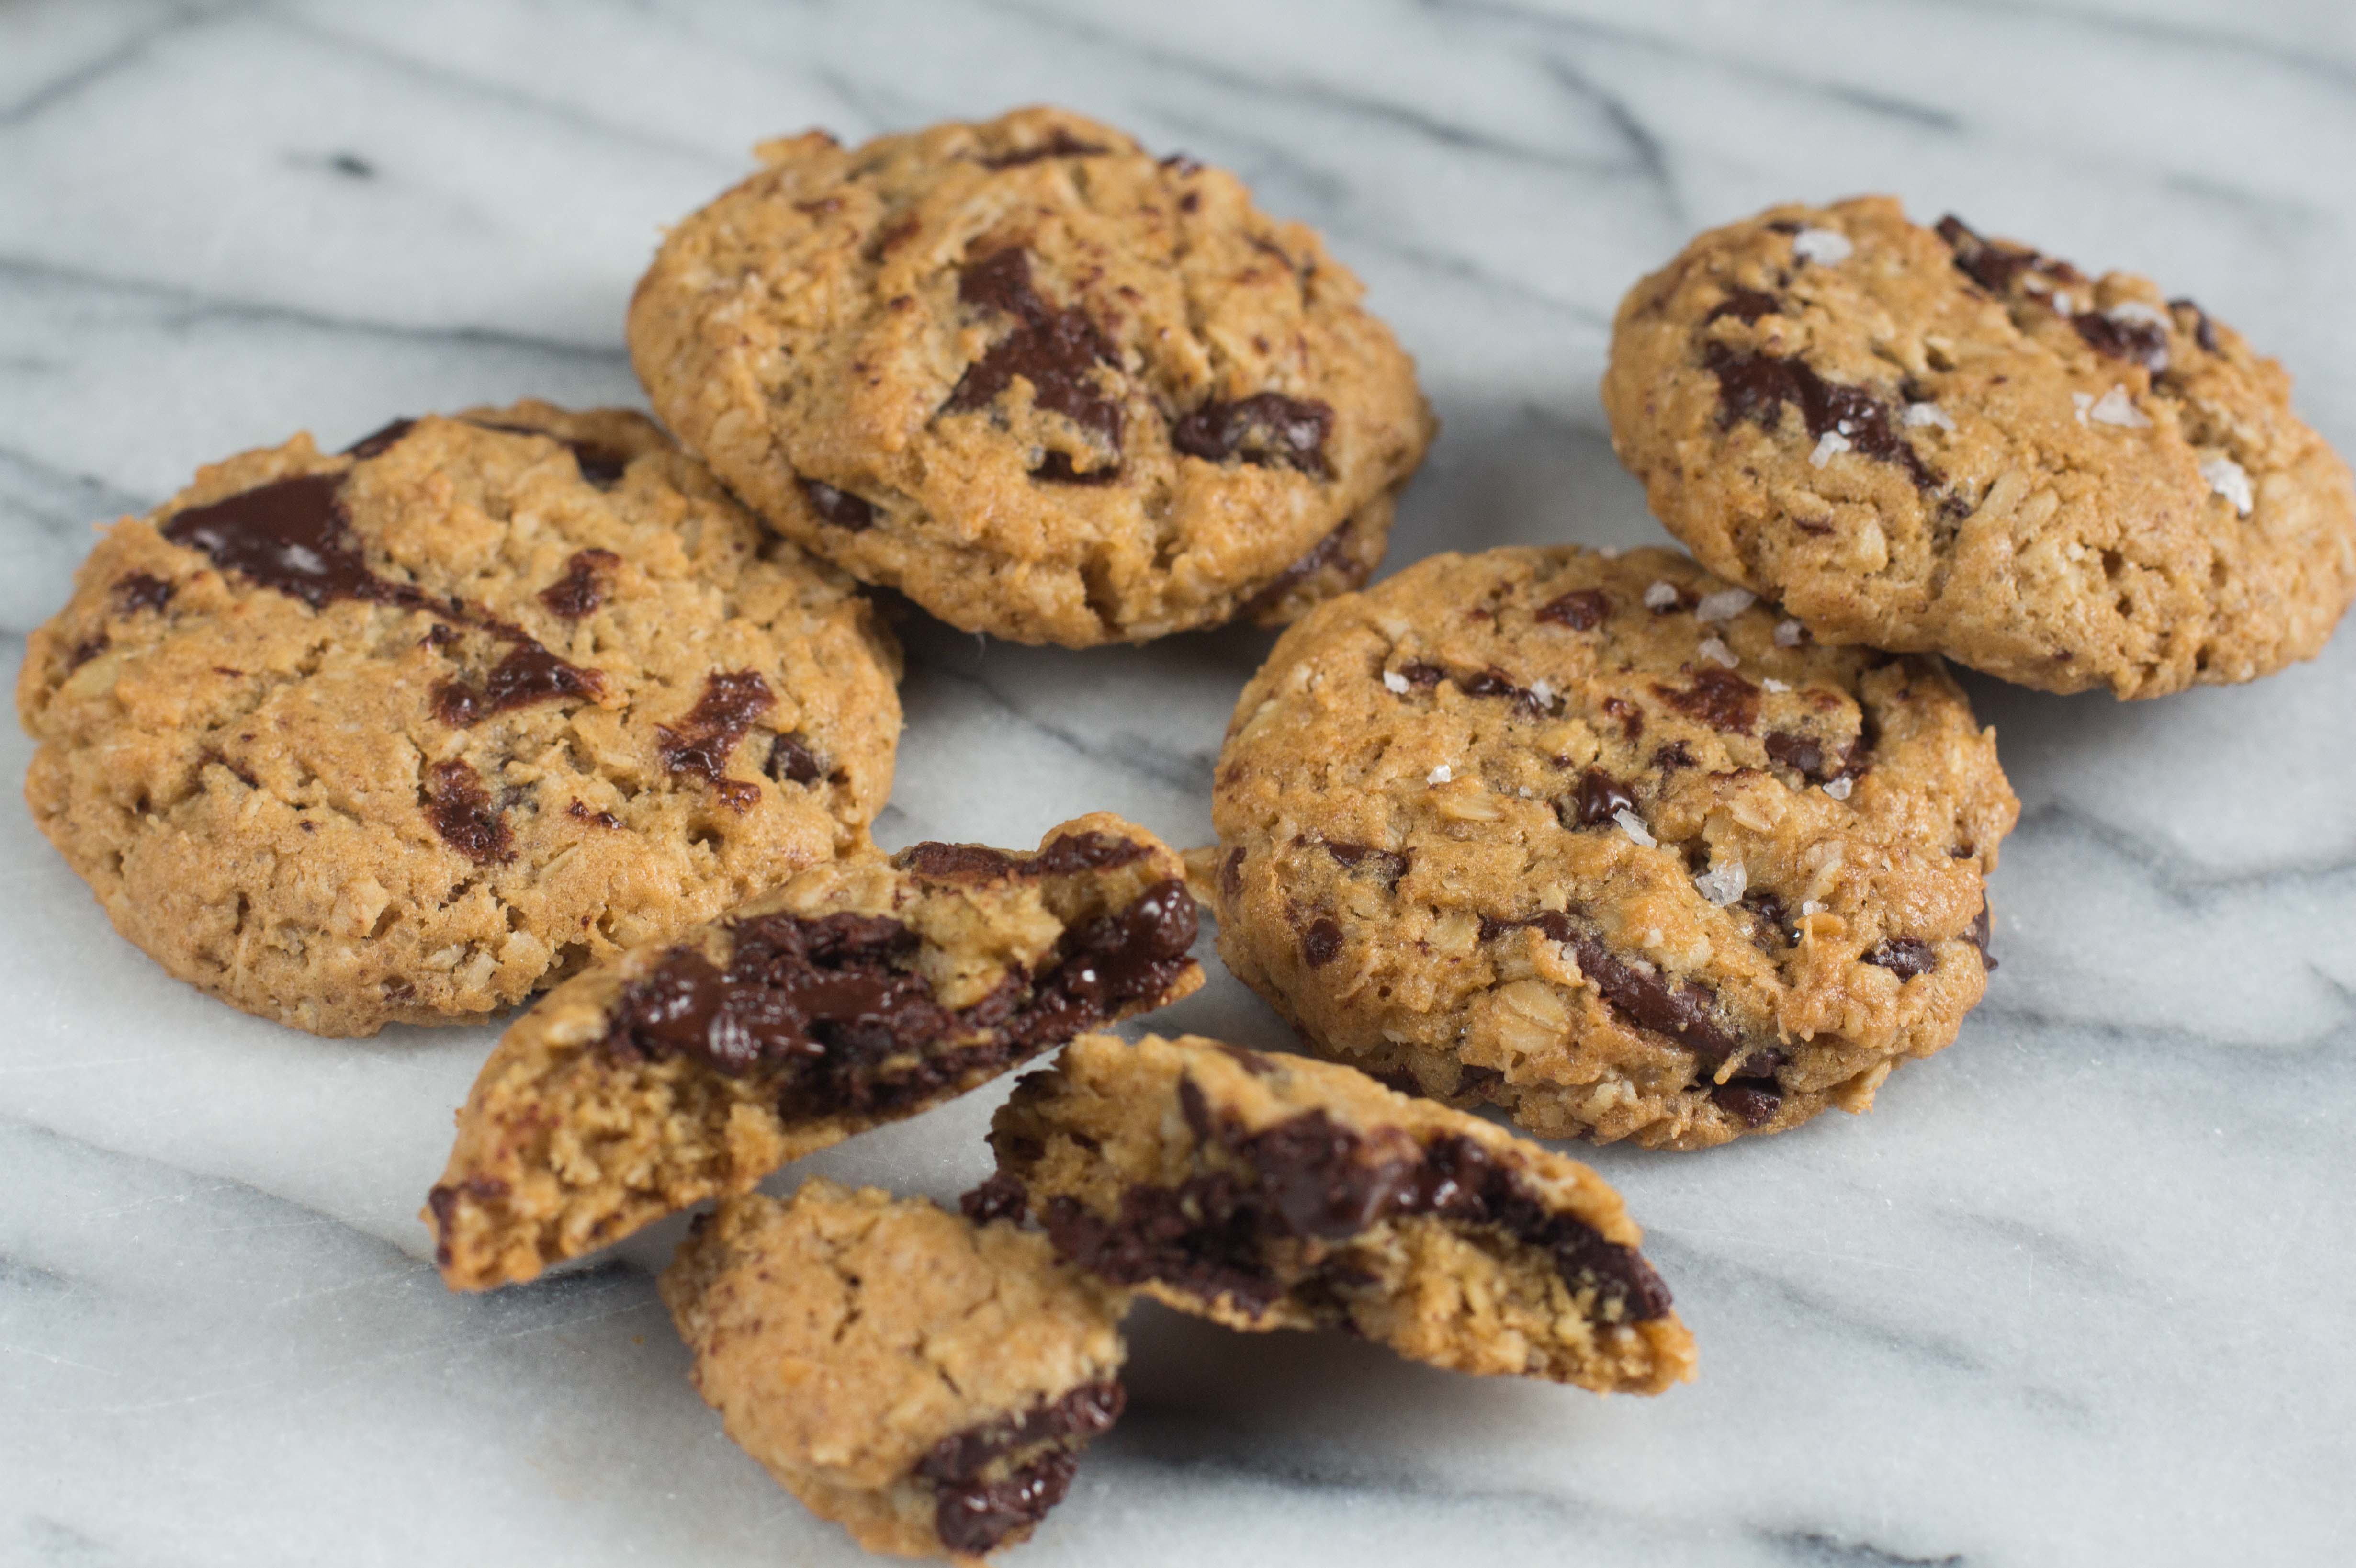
column 2076, row 1293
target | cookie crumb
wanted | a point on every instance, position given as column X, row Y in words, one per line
column 1825, row 247
column 1830, row 444
column 2229, row 479
column 1634, row 826
column 1715, row 649
column 1724, row 604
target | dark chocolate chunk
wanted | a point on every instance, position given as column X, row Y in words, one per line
column 792, row 761
column 1743, row 305
column 1201, row 1237
column 1756, row 387
column 443, row 1200
column 581, row 813
column 1752, row 1102
column 1065, row 856
column 1600, row 798
column 1056, row 351
column 1685, row 1013
column 1630, row 717
column 1719, row 698
column 844, row 510
column 1134, row 956
column 583, row 587
column 702, row 742
column 381, row 440
column 973, row 1517
column 1388, row 865
column 1905, row 957
column 1774, row 917
column 1423, row 677
column 1002, row 1196
column 600, row 465
column 2140, row 342
column 1670, row 758
column 1581, row 609
column 1332, row 549
column 291, row 536
column 1267, row 428
column 136, row 591
column 1321, row 942
column 1994, row 266
column 528, row 673
column 88, row 649
column 1055, row 469
column 1251, row 1062
column 1801, row 754
column 2204, row 332
column 1062, row 144
column 461, row 812
column 1978, row 935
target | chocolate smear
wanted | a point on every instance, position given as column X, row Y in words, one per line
column 1582, row 609
column 844, row 510
column 1056, row 350
column 583, row 587
column 461, row 812
column 701, row 743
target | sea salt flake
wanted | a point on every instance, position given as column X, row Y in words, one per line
column 2138, row 312
column 1839, row 788
column 1825, row 247
column 1922, row 413
column 1810, row 907
column 1395, row 683
column 2084, row 400
column 1439, row 774
column 1634, row 826
column 2061, row 303
column 2115, row 407
column 1828, row 446
column 1725, row 604
column 1609, row 552
column 1788, row 633
column 1772, row 684
column 1660, row 595
column 1722, row 884
column 1542, row 690
column 1717, row 652
column 2229, row 479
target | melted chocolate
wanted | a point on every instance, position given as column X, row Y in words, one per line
column 792, row 761
column 1744, row 304
column 1685, row 1013
column 1231, row 874
column 1268, row 429
column 583, row 587
column 1600, row 796
column 1751, row 1102
column 1670, row 758
column 1719, row 698
column 1055, row 469
column 1085, row 1411
column 291, row 536
column 461, row 812
column 1905, row 957
column 1582, row 609
column 1801, row 754
column 1056, row 350
column 380, row 441
column 1756, row 387
column 1064, row 856
column 844, row 510
column 702, row 742
column 973, row 1517
column 528, row 674
column 1002, row 1196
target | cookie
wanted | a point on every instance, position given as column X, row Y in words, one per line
column 1925, row 441
column 1046, row 386
column 863, row 991
column 1605, row 843
column 403, row 734
column 1276, row 1192
column 924, row 1382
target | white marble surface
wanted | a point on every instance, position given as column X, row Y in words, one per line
column 2077, row 1293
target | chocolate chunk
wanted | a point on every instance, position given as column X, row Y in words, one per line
column 1905, row 957
column 1065, row 856
column 1202, row 1237
column 1388, row 865
column 1682, row 1013
column 1062, row 144
column 1423, row 677
column 1743, row 305
column 1756, row 387
column 600, row 465
column 1600, row 798
column 1321, row 942
column 1719, row 698
column 290, row 536
column 702, row 742
column 1994, row 266
column 1133, row 957
column 2143, row 343
column 528, row 674
column 1002, row 1196
column 1329, row 551
column 583, row 587
column 581, row 813
column 136, row 591
column 443, row 1200
column 1268, row 429
column 1056, row 350
column 1800, row 753
column 1055, row 469
column 1776, row 919
column 973, row 1517
column 840, row 508
column 461, row 812
column 2204, row 332
column 1496, row 684
column 1581, row 609
column 792, row 761
column 1074, row 853
column 88, row 649
column 1670, row 758
column 1251, row 1062
column 1978, row 935
column 378, row 441
column 1630, row 717
column 1752, row 1102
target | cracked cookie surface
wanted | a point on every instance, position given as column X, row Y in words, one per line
column 1277, row 1192
column 400, row 734
column 1924, row 440
column 923, row 1381
column 1045, row 385
column 1603, row 842
column 864, row 991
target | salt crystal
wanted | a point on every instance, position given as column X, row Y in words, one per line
column 1825, row 247
column 1542, row 690
column 1725, row 604
column 2136, row 311
column 1717, row 652
column 1788, row 633
column 1634, row 826
column 2084, row 400
column 2229, row 479
column 2061, row 303
column 1524, row 791
column 1439, row 774
column 1922, row 413
column 2117, row 408
column 1609, row 552
column 1660, row 595
column 1839, row 788
column 1722, row 884
column 1772, row 684
column 1828, row 446
column 1810, row 907
column 1393, row 682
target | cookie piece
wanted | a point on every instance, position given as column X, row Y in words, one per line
column 1046, row 386
column 1603, row 842
column 863, row 991
column 924, row 1382
column 403, row 734
column 1926, row 441
column 1276, row 1192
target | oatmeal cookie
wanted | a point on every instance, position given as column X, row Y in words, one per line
column 1605, row 843
column 1276, row 1192
column 1924, row 440
column 863, row 991
column 401, row 734
column 1045, row 385
column 924, row 1382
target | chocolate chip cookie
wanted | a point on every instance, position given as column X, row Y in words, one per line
column 1607, row 843
column 1924, row 440
column 405, row 733
column 863, row 991
column 924, row 1382
column 1045, row 385
column 1276, row 1192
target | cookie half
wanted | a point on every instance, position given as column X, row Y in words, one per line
column 1276, row 1192
column 863, row 991
column 403, row 734
column 1049, row 387
column 1604, row 841
column 1922, row 440
column 924, row 1382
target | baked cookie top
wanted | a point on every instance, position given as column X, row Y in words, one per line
column 1606, row 843
column 1277, row 1192
column 403, row 732
column 1922, row 440
column 1049, row 387
column 863, row 991
column 923, row 1381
